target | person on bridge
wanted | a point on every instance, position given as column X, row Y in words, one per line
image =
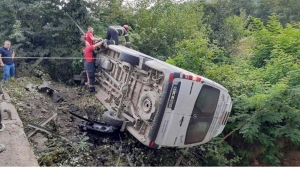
column 113, row 33
column 6, row 61
column 89, row 62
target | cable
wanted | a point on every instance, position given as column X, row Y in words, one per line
column 51, row 58
column 75, row 23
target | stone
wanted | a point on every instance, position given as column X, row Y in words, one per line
column 29, row 87
column 21, row 105
column 43, row 110
column 45, row 88
column 57, row 97
column 2, row 148
column 73, row 108
column 75, row 139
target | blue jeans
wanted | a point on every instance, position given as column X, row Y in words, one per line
column 9, row 72
column 90, row 73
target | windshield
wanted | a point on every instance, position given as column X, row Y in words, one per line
column 202, row 114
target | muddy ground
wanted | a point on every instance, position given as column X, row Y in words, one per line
column 68, row 145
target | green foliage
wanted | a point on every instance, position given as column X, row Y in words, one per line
column 265, row 96
column 273, row 24
column 274, row 37
column 261, row 71
column 225, row 27
column 248, row 5
column 287, row 11
column 195, row 55
column 279, row 66
column 254, row 24
column 165, row 24
column 217, row 155
column 41, row 28
column 83, row 144
column 234, row 27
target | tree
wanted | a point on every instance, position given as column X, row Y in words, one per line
column 225, row 27
column 287, row 10
column 165, row 24
column 264, row 96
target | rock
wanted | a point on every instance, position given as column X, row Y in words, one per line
column 21, row 104
column 72, row 119
column 29, row 87
column 6, row 97
column 73, row 108
column 75, row 140
column 43, row 110
column 45, row 88
column 68, row 125
column 57, row 97
column 20, row 109
column 1, row 90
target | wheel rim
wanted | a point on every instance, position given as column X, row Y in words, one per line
column 147, row 105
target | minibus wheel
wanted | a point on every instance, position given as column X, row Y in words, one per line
column 109, row 118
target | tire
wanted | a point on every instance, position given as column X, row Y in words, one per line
column 129, row 58
column 111, row 120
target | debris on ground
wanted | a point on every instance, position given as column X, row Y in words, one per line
column 57, row 97
column 45, row 88
column 29, row 87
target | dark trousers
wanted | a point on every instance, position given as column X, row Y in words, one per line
column 112, row 34
column 90, row 73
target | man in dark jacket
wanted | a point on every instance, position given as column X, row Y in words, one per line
column 113, row 33
column 6, row 61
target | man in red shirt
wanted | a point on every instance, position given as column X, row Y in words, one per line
column 89, row 63
column 89, row 36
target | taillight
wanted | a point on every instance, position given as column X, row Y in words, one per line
column 190, row 77
column 171, row 78
column 152, row 143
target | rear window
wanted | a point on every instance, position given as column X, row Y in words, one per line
column 202, row 114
